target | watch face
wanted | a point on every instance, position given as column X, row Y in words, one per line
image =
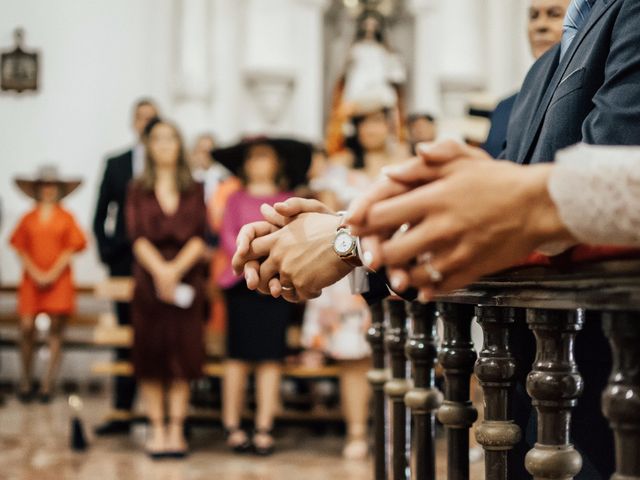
column 343, row 243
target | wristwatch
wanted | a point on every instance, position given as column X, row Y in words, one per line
column 346, row 246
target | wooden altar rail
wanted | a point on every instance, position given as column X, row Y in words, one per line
column 553, row 305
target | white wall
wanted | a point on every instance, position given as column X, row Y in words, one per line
column 96, row 57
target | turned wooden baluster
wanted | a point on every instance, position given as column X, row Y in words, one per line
column 423, row 398
column 457, row 414
column 397, row 386
column 377, row 378
column 554, row 385
column 495, row 369
column 621, row 399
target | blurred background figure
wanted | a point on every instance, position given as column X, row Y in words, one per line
column 204, row 167
column 544, row 31
column 371, row 66
column 270, row 169
column 336, row 322
column 115, row 252
column 166, row 220
column 45, row 239
column 421, row 127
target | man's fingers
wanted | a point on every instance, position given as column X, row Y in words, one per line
column 275, row 288
column 268, row 270
column 261, row 246
column 251, row 274
column 296, row 205
column 380, row 190
column 246, row 235
column 270, row 215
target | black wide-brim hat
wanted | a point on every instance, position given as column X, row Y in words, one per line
column 295, row 156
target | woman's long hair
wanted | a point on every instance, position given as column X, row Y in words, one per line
column 184, row 179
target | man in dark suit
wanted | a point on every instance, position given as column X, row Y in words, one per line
column 585, row 90
column 545, row 31
column 115, row 250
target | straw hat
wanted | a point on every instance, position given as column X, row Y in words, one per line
column 46, row 174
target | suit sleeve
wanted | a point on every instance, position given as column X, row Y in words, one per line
column 105, row 196
column 615, row 120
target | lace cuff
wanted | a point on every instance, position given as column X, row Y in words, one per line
column 597, row 192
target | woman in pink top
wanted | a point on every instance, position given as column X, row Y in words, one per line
column 268, row 169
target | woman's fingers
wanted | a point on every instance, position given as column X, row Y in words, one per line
column 427, row 236
column 296, row 205
column 380, row 190
column 398, row 278
column 412, row 172
column 439, row 153
column 371, row 252
column 391, row 213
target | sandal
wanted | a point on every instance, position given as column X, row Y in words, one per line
column 237, row 447
column 261, row 450
column 356, row 448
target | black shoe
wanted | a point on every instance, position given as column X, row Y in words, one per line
column 177, row 454
column 26, row 396
column 113, row 427
column 157, row 455
column 263, row 451
column 241, row 447
column 45, row 398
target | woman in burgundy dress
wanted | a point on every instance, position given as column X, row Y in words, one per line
column 166, row 222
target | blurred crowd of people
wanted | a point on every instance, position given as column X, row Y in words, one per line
column 169, row 218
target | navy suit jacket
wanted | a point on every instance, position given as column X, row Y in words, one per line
column 591, row 96
column 497, row 138
column 114, row 249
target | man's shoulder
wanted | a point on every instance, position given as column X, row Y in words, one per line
column 120, row 159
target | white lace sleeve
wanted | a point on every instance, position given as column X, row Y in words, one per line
column 597, row 192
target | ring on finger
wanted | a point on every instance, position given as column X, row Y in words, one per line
column 287, row 288
column 426, row 260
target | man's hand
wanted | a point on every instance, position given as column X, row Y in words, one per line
column 300, row 256
column 246, row 260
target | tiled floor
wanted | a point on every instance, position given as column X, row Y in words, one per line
column 34, row 445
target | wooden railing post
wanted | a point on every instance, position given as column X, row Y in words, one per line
column 496, row 369
column 377, row 378
column 621, row 399
column 397, row 386
column 554, row 385
column 423, row 398
column 457, row 357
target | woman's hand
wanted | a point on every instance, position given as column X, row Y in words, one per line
column 165, row 279
column 479, row 218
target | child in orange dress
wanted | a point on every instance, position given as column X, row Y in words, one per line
column 45, row 239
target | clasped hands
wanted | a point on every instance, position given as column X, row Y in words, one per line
column 463, row 212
